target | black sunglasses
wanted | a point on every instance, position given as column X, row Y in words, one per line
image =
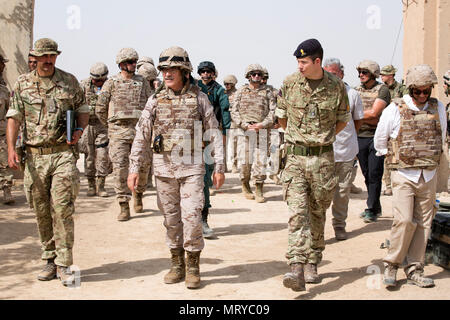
column 418, row 92
column 364, row 72
column 254, row 74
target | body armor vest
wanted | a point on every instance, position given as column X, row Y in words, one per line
column 254, row 104
column 175, row 118
column 368, row 97
column 127, row 100
column 419, row 141
column 91, row 94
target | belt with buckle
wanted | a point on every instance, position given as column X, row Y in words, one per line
column 46, row 151
column 299, row 150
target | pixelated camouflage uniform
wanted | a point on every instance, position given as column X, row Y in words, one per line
column 309, row 180
column 6, row 178
column 94, row 141
column 120, row 105
column 51, row 177
column 179, row 184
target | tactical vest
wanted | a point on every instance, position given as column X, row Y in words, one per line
column 254, row 104
column 175, row 118
column 368, row 97
column 419, row 141
column 127, row 100
column 91, row 94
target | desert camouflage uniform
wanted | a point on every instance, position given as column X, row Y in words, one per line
column 179, row 184
column 94, row 141
column 6, row 178
column 252, row 106
column 120, row 105
column 232, row 144
column 309, row 180
column 51, row 177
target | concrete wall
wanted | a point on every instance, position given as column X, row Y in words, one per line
column 16, row 36
column 427, row 37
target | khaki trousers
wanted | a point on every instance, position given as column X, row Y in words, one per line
column 414, row 210
column 339, row 209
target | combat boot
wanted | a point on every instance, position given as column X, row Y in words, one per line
column 295, row 279
column 124, row 214
column 193, row 270
column 390, row 275
column 7, row 196
column 387, row 192
column 138, row 206
column 340, row 233
column 247, row 191
column 49, row 271
column 275, row 179
column 259, row 193
column 416, row 277
column 311, row 275
column 91, row 192
column 101, row 192
column 178, row 269
column 65, row 275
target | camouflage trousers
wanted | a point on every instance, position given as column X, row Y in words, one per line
column 308, row 186
column 94, row 144
column 52, row 184
column 181, row 202
column 252, row 157
column 119, row 152
column 6, row 178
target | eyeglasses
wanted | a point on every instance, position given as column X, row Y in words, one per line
column 418, row 92
column 364, row 72
column 254, row 74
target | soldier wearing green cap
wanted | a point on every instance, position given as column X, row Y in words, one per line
column 396, row 89
column 40, row 103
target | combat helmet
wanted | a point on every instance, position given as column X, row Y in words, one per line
column 99, row 71
column 148, row 71
column 206, row 65
column 252, row 68
column 265, row 73
column 230, row 79
column 419, row 76
column 370, row 65
column 126, row 54
column 174, row 57
column 388, row 70
column 144, row 60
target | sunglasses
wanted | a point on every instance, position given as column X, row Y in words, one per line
column 418, row 92
column 254, row 74
column 364, row 72
column 205, row 71
column 130, row 61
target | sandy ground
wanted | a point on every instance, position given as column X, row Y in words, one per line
column 245, row 261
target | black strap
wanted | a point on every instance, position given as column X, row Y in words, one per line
column 175, row 59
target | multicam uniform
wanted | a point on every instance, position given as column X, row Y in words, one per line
column 6, row 178
column 119, row 106
column 308, row 178
column 51, row 177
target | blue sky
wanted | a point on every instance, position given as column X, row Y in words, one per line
column 232, row 34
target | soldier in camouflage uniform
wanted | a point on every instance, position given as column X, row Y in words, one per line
column 120, row 106
column 51, row 178
column 2, row 68
column 177, row 115
column 312, row 108
column 410, row 133
column 230, row 82
column 32, row 62
column 94, row 141
column 253, row 113
column 144, row 61
column 6, row 178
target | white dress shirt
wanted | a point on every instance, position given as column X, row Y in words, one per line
column 389, row 126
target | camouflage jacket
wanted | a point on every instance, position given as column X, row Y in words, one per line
column 91, row 93
column 4, row 105
column 312, row 115
column 397, row 90
column 41, row 104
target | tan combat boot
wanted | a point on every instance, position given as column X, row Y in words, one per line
column 92, row 189
column 49, row 271
column 275, row 179
column 65, row 275
column 247, row 191
column 124, row 214
column 416, row 277
column 295, row 279
column 7, row 196
column 387, row 192
column 101, row 192
column 311, row 275
column 193, row 270
column 138, row 206
column 390, row 275
column 178, row 269
column 259, row 193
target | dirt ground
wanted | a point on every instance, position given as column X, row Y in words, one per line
column 245, row 261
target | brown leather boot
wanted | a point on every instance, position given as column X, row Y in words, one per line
column 101, row 192
column 124, row 214
column 193, row 270
column 138, row 206
column 247, row 191
column 340, row 233
column 92, row 189
column 49, row 271
column 7, row 196
column 295, row 279
column 178, row 269
column 259, row 193
column 311, row 275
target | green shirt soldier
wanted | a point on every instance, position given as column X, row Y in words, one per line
column 51, row 178
column 396, row 89
column 312, row 108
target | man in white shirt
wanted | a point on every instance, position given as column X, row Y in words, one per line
column 410, row 133
column 345, row 151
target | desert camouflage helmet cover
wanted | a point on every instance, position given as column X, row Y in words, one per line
column 99, row 71
column 144, row 60
column 420, row 75
column 388, row 70
column 174, row 57
column 126, row 54
column 230, row 79
column 252, row 68
column 148, row 71
column 265, row 73
column 370, row 65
